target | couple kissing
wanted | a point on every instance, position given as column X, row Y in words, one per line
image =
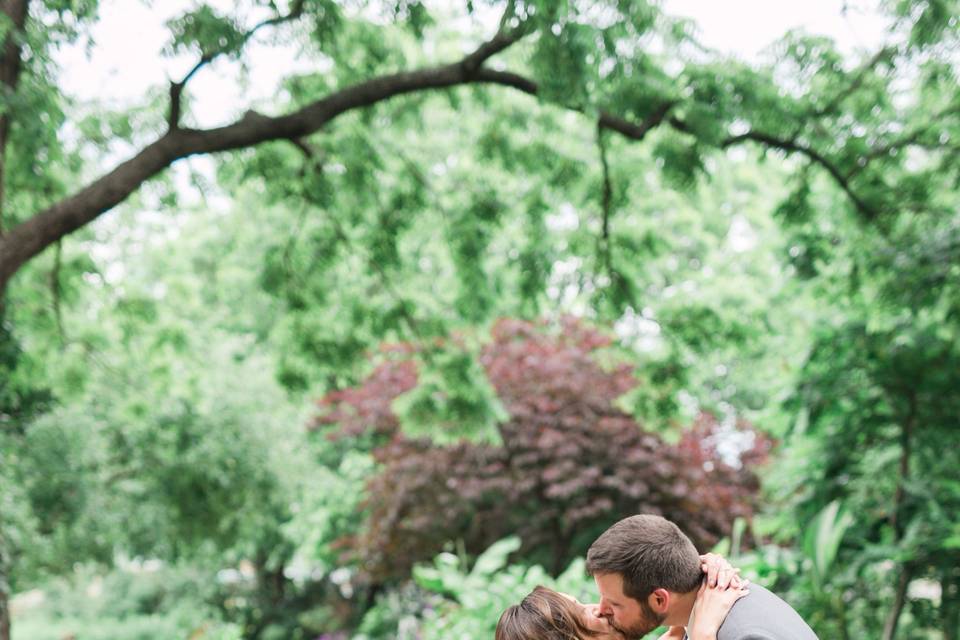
column 649, row 575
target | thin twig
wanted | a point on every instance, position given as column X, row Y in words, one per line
column 606, row 200
column 176, row 88
column 860, row 75
column 792, row 146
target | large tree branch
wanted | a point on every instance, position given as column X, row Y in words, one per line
column 34, row 235
column 10, row 65
column 607, row 120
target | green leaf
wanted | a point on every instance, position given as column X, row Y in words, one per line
column 495, row 557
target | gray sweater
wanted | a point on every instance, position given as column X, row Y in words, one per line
column 761, row 615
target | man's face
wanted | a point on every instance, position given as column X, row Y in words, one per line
column 633, row 619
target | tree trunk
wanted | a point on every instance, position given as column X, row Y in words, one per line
column 4, row 615
column 4, row 591
column 10, row 65
column 890, row 626
column 896, row 517
column 841, row 610
column 950, row 603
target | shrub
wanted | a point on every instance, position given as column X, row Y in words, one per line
column 569, row 463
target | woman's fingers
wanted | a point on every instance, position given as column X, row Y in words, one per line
column 727, row 577
column 714, row 566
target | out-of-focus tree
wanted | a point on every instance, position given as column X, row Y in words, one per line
column 555, row 465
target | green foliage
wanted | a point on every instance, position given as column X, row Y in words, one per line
column 822, row 539
column 480, row 596
column 207, row 31
column 930, row 20
column 680, row 161
column 332, row 510
column 453, row 400
column 129, row 604
column 562, row 62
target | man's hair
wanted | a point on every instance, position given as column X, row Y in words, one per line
column 648, row 552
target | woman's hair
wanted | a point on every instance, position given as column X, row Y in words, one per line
column 543, row 615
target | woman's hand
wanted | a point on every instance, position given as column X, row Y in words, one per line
column 673, row 633
column 720, row 573
column 711, row 609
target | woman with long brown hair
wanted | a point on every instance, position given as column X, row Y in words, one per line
column 546, row 614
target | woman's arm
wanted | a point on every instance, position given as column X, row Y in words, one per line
column 711, row 609
column 673, row 633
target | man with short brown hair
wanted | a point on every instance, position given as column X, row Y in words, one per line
column 648, row 573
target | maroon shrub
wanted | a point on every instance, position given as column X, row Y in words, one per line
column 570, row 464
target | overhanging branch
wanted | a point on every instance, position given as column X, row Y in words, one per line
column 37, row 233
column 607, row 120
column 792, row 146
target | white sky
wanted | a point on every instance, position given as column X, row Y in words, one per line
column 746, row 27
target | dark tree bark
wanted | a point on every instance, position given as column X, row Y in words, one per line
column 10, row 65
column 896, row 517
column 899, row 600
column 4, row 590
column 950, row 603
column 4, row 615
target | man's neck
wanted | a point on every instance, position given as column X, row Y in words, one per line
column 681, row 609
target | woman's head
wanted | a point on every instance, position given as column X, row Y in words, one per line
column 548, row 615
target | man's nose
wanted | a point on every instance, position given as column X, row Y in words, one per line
column 603, row 609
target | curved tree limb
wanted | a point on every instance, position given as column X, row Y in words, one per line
column 792, row 146
column 607, row 120
column 37, row 233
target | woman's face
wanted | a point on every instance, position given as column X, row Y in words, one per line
column 588, row 614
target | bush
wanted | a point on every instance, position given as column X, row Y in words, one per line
column 569, row 462
column 170, row 602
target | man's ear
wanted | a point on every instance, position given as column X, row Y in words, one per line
column 659, row 600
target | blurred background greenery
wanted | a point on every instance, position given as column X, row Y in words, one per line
column 381, row 378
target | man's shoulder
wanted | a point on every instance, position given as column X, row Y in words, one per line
column 762, row 615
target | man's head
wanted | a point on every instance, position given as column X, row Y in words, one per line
column 641, row 565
